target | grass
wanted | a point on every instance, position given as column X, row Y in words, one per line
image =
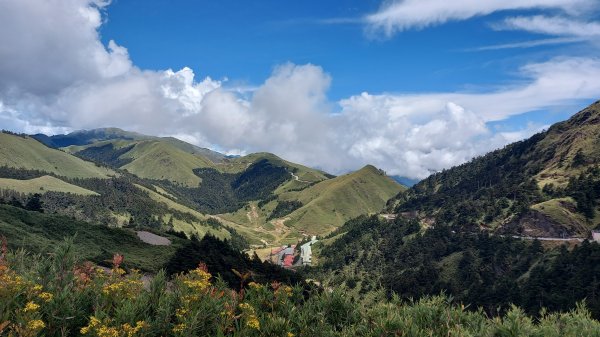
column 37, row 232
column 57, row 294
column 28, row 153
column 330, row 203
column 562, row 212
column 189, row 227
column 239, row 164
column 566, row 139
column 327, row 205
column 42, row 185
column 160, row 160
column 254, row 220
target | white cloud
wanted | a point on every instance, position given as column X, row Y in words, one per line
column 412, row 135
column 557, row 26
column 47, row 45
column 399, row 15
column 63, row 78
column 529, row 44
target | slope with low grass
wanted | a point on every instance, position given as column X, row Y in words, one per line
column 197, row 226
column 330, row 203
column 37, row 232
column 27, row 153
column 42, row 185
column 160, row 160
column 239, row 164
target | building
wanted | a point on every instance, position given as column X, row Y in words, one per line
column 306, row 252
column 283, row 256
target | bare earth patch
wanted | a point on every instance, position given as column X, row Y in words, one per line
column 153, row 239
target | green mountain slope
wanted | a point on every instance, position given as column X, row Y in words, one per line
column 79, row 139
column 42, row 185
column 264, row 197
column 27, row 153
column 315, row 209
column 520, row 189
column 160, row 160
column 156, row 159
column 39, row 233
column 328, row 204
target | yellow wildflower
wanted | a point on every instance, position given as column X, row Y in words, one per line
column 289, row 334
column 131, row 331
column 37, row 288
column 255, row 285
column 31, row 306
column 46, row 297
column 36, row 324
column 179, row 328
column 253, row 322
column 94, row 321
column 106, row 331
column 246, row 306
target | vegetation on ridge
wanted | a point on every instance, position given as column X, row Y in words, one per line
column 58, row 295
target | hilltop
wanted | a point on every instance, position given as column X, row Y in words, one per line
column 543, row 186
column 335, row 201
column 24, row 152
column 467, row 231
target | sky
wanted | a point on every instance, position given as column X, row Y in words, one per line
column 410, row 86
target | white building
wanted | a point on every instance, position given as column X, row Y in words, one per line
column 306, row 252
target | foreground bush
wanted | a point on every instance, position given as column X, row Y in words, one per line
column 59, row 296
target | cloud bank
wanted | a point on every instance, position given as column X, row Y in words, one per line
column 61, row 77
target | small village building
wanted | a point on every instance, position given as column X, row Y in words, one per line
column 306, row 252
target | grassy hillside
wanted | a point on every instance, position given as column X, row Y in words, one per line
column 239, row 164
column 159, row 160
column 196, row 224
column 42, row 185
column 323, row 206
column 38, row 233
column 84, row 137
column 155, row 159
column 328, row 204
column 27, row 153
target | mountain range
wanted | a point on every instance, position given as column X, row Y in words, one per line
column 510, row 227
column 264, row 198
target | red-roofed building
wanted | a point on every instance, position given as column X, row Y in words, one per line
column 288, row 261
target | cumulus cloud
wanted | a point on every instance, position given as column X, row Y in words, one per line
column 399, row 15
column 63, row 78
column 49, row 45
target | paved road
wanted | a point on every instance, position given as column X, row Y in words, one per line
column 546, row 238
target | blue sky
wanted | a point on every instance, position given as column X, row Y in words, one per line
column 243, row 41
column 412, row 86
